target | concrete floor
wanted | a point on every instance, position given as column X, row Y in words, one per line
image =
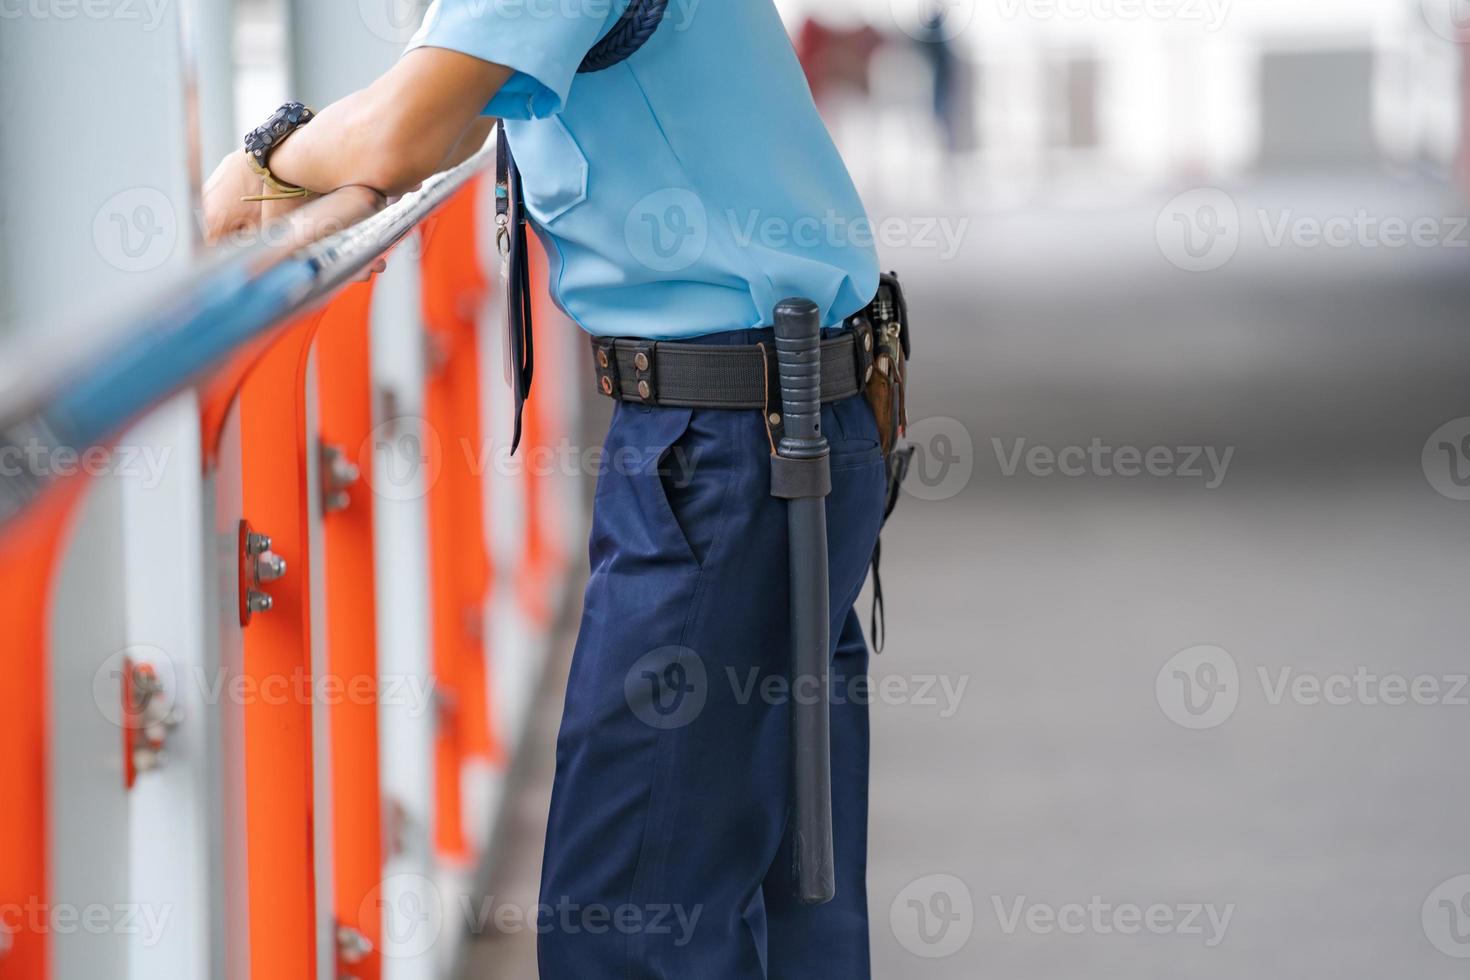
column 1036, row 809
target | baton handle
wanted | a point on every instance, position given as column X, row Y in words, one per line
column 799, row 361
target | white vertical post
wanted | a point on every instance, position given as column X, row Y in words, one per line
column 88, row 806
column 401, row 534
column 97, row 203
column 173, row 828
column 99, row 192
column 211, row 35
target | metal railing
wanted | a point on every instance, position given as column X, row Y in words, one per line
column 77, row 397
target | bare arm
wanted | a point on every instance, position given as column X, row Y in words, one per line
column 418, row 118
column 398, row 130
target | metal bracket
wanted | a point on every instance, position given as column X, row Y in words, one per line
column 352, row 946
column 339, row 473
column 151, row 719
column 436, row 352
column 258, row 565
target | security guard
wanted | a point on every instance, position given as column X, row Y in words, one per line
column 682, row 192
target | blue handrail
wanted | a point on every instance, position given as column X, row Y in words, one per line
column 87, row 397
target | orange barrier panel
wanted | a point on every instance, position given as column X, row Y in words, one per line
column 217, row 395
column 344, row 389
column 277, row 648
column 29, row 555
column 454, row 290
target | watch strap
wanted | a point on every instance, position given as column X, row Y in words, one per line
column 262, row 141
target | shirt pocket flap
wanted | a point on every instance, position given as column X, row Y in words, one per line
column 553, row 168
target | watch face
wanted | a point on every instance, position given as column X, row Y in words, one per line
column 282, row 123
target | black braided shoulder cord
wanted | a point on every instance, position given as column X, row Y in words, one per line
column 635, row 27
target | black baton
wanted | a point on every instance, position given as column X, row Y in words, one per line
column 801, row 474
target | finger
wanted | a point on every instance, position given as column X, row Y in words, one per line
column 366, row 275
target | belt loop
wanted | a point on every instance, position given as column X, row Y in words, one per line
column 605, row 360
column 771, row 418
column 645, row 360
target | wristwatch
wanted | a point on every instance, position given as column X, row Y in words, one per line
column 263, row 140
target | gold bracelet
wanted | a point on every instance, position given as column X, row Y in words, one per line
column 290, row 195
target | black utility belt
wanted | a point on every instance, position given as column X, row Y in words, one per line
column 670, row 373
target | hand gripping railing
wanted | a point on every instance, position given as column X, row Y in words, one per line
column 76, row 396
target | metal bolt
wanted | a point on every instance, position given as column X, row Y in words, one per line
column 257, row 544
column 340, row 472
column 774, row 418
column 147, row 759
column 644, row 390
column 258, row 602
column 640, row 361
column 606, row 385
column 601, row 358
column 352, row 945
column 344, row 470
column 270, row 567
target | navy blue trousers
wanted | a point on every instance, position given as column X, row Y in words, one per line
column 668, row 853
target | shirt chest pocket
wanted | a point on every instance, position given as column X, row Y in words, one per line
column 553, row 169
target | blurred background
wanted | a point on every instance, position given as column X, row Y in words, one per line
column 1175, row 683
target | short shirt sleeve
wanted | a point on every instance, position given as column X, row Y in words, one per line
column 543, row 42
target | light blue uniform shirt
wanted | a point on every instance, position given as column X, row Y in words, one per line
column 685, row 191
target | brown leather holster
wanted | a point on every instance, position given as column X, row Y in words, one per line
column 883, row 332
